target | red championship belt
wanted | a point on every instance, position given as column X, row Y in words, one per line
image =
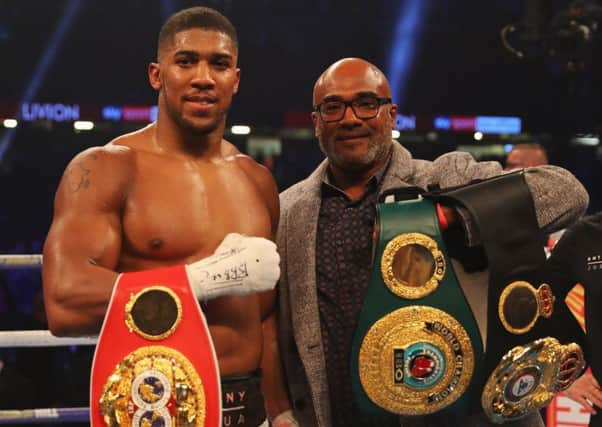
column 155, row 363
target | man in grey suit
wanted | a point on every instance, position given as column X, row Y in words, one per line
column 325, row 239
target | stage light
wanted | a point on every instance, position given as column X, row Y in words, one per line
column 10, row 123
column 588, row 140
column 83, row 125
column 240, row 130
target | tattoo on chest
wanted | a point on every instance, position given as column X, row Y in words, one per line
column 78, row 174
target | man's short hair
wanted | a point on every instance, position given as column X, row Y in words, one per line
column 195, row 17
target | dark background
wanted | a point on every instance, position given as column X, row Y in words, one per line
column 458, row 64
column 455, row 61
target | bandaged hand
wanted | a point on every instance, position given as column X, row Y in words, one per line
column 241, row 265
column 285, row 419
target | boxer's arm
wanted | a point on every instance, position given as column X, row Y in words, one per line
column 273, row 384
column 83, row 245
column 274, row 388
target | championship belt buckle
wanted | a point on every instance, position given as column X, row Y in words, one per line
column 147, row 370
column 527, row 378
column 416, row 360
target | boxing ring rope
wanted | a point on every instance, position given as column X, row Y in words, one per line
column 38, row 416
column 30, row 261
column 40, row 339
column 14, row 339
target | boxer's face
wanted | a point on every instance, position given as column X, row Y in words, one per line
column 196, row 77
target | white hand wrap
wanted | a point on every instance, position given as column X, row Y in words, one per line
column 240, row 265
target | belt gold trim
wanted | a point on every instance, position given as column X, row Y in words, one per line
column 415, row 361
column 412, row 265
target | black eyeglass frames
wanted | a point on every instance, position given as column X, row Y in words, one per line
column 364, row 107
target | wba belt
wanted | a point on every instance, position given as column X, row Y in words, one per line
column 154, row 362
column 417, row 349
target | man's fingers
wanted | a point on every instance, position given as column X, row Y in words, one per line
column 595, row 382
column 596, row 397
column 585, row 403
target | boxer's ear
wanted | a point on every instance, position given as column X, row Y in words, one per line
column 154, row 75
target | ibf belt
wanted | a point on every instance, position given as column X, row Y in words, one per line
column 155, row 364
column 417, row 346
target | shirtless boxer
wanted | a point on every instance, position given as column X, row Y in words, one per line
column 172, row 193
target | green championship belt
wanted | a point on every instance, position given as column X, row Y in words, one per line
column 417, row 345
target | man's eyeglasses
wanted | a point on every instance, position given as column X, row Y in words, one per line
column 365, row 107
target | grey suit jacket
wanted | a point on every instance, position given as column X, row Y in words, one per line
column 558, row 197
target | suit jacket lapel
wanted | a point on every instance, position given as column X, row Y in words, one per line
column 399, row 169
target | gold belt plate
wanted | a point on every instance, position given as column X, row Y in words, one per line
column 154, row 313
column 528, row 376
column 153, row 385
column 412, row 265
column 416, row 360
column 520, row 305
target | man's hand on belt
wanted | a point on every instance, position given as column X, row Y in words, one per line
column 240, row 265
column 586, row 391
column 285, row 419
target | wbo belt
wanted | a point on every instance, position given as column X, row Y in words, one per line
column 155, row 363
column 417, row 348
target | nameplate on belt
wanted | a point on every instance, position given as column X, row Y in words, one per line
column 417, row 345
column 154, row 362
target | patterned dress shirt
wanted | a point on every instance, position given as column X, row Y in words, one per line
column 343, row 266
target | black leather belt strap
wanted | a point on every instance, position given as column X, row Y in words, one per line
column 503, row 215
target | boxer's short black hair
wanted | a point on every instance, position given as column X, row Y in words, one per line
column 195, row 17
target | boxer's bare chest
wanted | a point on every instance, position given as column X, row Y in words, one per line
column 179, row 211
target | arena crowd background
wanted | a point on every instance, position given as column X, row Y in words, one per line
column 466, row 74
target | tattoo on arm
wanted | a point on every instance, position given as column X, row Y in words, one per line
column 77, row 176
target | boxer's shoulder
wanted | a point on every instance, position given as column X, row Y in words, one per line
column 257, row 173
column 104, row 159
column 105, row 172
